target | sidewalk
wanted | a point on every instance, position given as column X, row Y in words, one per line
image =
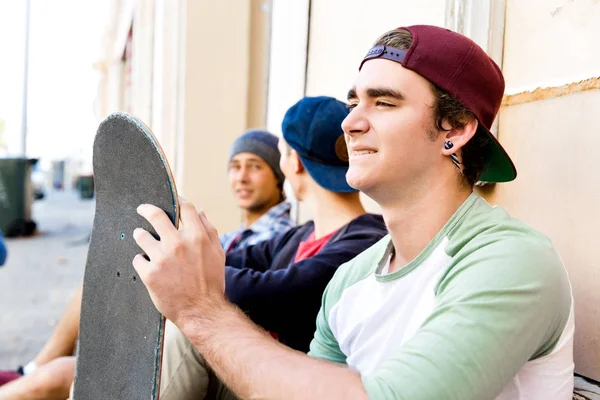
column 41, row 274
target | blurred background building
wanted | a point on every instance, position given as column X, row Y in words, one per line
column 199, row 73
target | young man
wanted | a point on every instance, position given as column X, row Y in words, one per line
column 460, row 301
column 257, row 184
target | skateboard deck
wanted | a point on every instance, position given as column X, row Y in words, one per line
column 121, row 332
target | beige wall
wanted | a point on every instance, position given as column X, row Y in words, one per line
column 112, row 73
column 214, row 103
column 222, row 92
column 554, row 144
column 167, row 76
column 260, row 18
column 341, row 33
column 550, row 41
column 287, row 58
column 198, row 80
column 142, row 60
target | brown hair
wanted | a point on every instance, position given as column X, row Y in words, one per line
column 447, row 108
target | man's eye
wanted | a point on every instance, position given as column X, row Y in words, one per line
column 255, row 167
column 384, row 104
column 351, row 106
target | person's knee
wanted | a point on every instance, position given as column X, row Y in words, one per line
column 184, row 375
column 54, row 378
column 175, row 339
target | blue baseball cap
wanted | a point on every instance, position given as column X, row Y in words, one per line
column 313, row 127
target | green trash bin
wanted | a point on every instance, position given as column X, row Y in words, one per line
column 16, row 196
column 86, row 186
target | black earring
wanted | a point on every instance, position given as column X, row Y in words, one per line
column 454, row 159
column 448, row 145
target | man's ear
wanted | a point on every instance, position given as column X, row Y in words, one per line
column 459, row 136
column 297, row 162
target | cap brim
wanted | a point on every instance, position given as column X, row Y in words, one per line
column 498, row 166
column 330, row 177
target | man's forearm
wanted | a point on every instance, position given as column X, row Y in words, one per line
column 255, row 366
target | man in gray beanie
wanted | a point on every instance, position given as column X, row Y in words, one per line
column 257, row 184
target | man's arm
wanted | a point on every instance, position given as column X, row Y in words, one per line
column 185, row 279
column 499, row 307
column 254, row 365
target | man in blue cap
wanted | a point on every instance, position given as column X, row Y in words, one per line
column 279, row 283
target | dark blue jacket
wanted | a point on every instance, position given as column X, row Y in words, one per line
column 283, row 296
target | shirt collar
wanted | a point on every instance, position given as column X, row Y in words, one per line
column 265, row 221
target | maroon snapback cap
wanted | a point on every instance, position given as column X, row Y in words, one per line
column 460, row 67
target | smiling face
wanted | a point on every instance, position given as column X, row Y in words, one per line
column 253, row 182
column 389, row 132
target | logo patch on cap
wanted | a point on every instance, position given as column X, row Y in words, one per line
column 341, row 151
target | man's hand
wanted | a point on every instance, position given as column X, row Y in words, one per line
column 185, row 275
column 186, row 280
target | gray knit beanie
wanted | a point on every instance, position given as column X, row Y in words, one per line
column 264, row 145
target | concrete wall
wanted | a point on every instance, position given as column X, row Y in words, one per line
column 550, row 41
column 259, row 40
column 554, row 142
column 287, row 58
column 554, row 145
column 341, row 33
column 214, row 102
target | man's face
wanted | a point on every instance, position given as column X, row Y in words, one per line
column 253, row 182
column 389, row 130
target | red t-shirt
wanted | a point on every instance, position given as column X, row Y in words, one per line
column 307, row 249
column 310, row 246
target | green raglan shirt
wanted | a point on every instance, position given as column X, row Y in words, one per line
column 484, row 312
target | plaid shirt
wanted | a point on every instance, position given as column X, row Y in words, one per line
column 275, row 221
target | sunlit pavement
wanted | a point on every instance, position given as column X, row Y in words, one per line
column 41, row 273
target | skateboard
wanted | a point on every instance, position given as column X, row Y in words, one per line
column 121, row 332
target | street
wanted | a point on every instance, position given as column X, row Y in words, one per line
column 41, row 274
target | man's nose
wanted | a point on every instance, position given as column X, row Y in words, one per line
column 355, row 122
